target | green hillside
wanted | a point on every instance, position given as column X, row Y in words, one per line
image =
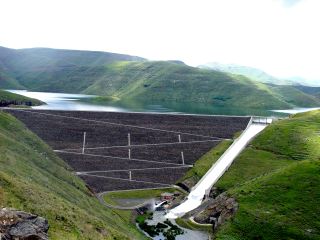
column 34, row 179
column 293, row 95
column 314, row 91
column 167, row 81
column 41, row 68
column 250, row 72
column 277, row 183
column 16, row 99
column 131, row 78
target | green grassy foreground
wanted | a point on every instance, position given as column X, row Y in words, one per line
column 276, row 181
column 34, row 179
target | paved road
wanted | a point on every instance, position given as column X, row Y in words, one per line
column 216, row 171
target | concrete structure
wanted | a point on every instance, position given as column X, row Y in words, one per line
column 199, row 191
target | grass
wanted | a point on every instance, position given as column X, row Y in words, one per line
column 202, row 165
column 186, row 223
column 100, row 99
column 249, row 165
column 277, row 183
column 34, row 179
column 111, row 197
column 21, row 100
column 282, row 205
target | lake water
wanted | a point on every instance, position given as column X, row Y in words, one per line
column 76, row 102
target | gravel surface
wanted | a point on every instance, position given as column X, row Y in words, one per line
column 106, row 131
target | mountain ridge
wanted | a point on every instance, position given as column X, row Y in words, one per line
column 251, row 72
column 127, row 77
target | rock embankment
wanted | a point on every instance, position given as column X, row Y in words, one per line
column 19, row 225
column 221, row 209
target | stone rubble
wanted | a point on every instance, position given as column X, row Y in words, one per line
column 19, row 225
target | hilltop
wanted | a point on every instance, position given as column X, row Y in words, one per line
column 124, row 77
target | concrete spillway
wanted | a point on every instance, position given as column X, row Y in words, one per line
column 216, row 171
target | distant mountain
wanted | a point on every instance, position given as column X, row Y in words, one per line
column 126, row 77
column 250, row 72
column 305, row 82
column 259, row 75
column 314, row 91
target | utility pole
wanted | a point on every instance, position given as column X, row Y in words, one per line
column 129, row 144
column 84, row 142
column 182, row 157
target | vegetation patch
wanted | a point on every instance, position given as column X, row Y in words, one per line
column 8, row 99
column 187, row 223
column 111, row 197
column 276, row 183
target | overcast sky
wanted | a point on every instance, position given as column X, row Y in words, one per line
column 281, row 37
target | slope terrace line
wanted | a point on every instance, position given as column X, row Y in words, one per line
column 132, row 169
column 138, row 145
column 124, row 179
column 121, row 158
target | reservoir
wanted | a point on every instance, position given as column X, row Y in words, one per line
column 81, row 102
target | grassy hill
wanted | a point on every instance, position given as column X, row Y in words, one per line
column 167, row 81
column 34, row 179
column 277, row 183
column 45, row 69
column 16, row 99
column 250, row 72
column 131, row 78
column 314, row 91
